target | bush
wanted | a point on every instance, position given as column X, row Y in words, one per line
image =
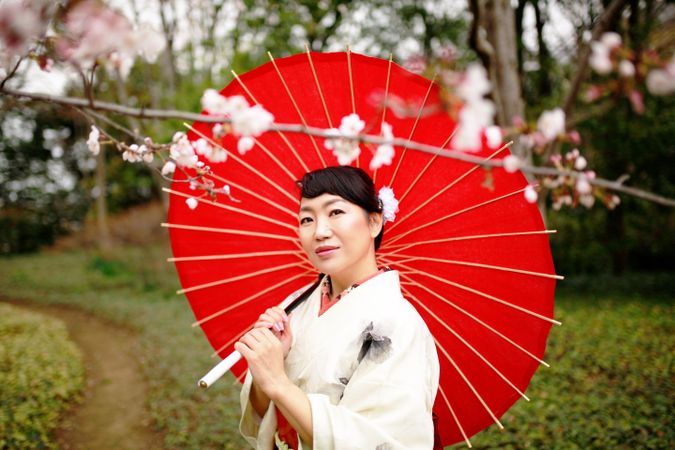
column 41, row 372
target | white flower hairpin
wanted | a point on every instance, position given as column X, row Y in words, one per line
column 389, row 203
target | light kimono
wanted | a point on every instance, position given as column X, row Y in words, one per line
column 368, row 366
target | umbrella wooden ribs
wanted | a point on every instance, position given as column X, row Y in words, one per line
column 475, row 262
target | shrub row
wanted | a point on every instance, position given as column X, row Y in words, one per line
column 41, row 372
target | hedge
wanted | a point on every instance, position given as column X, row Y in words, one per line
column 41, row 372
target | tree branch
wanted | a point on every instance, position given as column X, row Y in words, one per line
column 600, row 27
column 142, row 113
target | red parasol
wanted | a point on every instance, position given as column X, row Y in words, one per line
column 474, row 260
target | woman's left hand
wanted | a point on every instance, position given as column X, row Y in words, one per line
column 265, row 357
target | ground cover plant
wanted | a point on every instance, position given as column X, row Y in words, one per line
column 41, row 373
column 610, row 384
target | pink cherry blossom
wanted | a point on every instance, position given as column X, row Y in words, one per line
column 245, row 144
column 93, row 141
column 251, row 121
column 168, row 168
column 600, row 60
column 183, row 153
column 192, row 202
column 530, row 194
column 511, row 163
column 551, row 123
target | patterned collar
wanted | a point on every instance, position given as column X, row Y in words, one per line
column 326, row 285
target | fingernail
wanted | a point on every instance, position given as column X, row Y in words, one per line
column 276, row 327
column 281, row 326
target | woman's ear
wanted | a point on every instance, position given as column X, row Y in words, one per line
column 375, row 223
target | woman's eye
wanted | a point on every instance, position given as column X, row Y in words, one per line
column 305, row 220
column 337, row 211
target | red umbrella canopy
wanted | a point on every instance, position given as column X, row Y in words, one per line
column 474, row 258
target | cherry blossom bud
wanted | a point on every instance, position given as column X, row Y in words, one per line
column 574, row 136
column 593, row 93
column 587, row 200
column 518, row 122
column 245, row 144
column 191, row 202
column 92, row 142
column 218, row 130
column 661, row 82
column 611, row 39
column 511, row 163
column 530, row 194
column 636, row 101
column 580, row 163
column 614, row 201
column 493, row 135
column 178, row 136
column 169, row 168
column 626, row 68
column 583, row 186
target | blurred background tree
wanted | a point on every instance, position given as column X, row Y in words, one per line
column 48, row 183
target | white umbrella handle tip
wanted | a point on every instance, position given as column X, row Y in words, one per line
column 219, row 370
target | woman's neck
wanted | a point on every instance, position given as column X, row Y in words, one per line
column 341, row 281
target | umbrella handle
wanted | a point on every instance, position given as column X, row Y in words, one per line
column 233, row 358
column 219, row 370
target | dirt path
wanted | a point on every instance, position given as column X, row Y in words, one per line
column 112, row 414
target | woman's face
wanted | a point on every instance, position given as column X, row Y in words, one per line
column 335, row 233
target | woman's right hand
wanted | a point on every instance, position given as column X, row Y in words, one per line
column 278, row 322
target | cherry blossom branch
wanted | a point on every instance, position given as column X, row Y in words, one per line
column 143, row 113
column 600, row 27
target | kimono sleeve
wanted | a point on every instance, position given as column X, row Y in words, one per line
column 387, row 402
column 258, row 431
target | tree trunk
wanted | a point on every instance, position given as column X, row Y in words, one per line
column 496, row 41
column 493, row 37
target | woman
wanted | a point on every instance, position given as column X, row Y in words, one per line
column 354, row 366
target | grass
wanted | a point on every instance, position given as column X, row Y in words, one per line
column 610, row 384
column 41, row 372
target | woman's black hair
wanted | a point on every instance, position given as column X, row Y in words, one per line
column 351, row 183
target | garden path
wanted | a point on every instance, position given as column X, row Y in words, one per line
column 113, row 412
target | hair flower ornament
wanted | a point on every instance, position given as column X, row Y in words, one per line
column 389, row 203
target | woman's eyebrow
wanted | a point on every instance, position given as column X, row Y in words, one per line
column 329, row 202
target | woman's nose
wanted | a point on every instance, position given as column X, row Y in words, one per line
column 322, row 229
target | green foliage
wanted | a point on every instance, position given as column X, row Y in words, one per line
column 609, row 385
column 637, row 235
column 41, row 372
